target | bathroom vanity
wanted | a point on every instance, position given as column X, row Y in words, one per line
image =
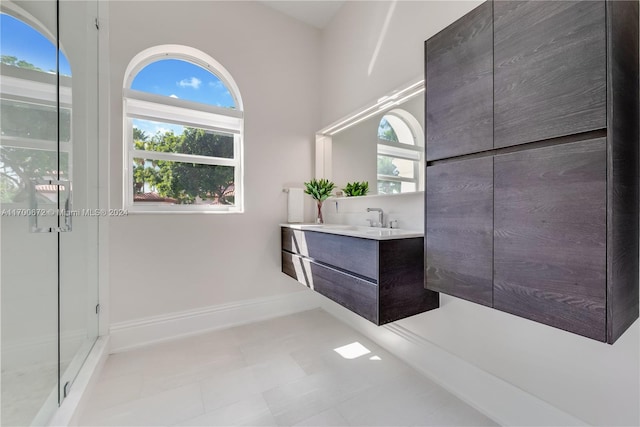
column 377, row 273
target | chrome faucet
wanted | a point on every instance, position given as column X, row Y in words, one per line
column 380, row 222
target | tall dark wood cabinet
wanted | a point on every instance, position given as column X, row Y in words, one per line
column 540, row 219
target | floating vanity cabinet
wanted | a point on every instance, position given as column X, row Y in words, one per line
column 380, row 280
column 550, row 69
column 459, row 229
column 544, row 223
column 459, row 78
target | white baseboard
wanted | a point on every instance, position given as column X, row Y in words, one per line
column 141, row 332
column 501, row 401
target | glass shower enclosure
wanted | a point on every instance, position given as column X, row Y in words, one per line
column 50, row 211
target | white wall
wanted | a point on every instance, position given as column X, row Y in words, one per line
column 162, row 264
column 361, row 61
column 595, row 382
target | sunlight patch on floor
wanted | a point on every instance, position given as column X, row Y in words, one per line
column 352, row 351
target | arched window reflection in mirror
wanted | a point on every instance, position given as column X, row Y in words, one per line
column 400, row 151
column 30, row 122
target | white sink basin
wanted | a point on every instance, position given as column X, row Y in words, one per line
column 386, row 232
column 358, row 231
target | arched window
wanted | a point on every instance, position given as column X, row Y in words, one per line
column 183, row 128
column 400, row 148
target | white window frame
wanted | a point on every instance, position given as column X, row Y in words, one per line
column 147, row 106
column 400, row 150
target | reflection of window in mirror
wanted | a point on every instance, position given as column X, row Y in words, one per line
column 35, row 117
column 400, row 148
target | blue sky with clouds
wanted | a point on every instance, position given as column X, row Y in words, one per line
column 179, row 79
column 184, row 80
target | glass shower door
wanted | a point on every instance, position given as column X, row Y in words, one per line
column 49, row 239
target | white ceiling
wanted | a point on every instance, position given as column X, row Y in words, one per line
column 313, row 12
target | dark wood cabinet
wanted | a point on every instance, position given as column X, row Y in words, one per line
column 563, row 182
column 340, row 268
column 550, row 236
column 459, row 229
column 459, row 78
column 550, row 69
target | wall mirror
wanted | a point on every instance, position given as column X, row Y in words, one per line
column 381, row 143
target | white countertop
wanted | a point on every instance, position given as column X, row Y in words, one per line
column 373, row 233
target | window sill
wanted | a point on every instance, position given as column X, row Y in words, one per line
column 147, row 211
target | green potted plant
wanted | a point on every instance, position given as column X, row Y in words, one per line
column 356, row 188
column 320, row 190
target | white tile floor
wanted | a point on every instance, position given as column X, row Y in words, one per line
column 24, row 391
column 282, row 371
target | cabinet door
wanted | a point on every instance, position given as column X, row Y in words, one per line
column 550, row 236
column 550, row 69
column 459, row 82
column 459, row 229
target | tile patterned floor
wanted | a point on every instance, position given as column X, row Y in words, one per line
column 281, row 372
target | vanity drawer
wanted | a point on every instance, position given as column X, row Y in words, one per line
column 331, row 249
column 358, row 295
